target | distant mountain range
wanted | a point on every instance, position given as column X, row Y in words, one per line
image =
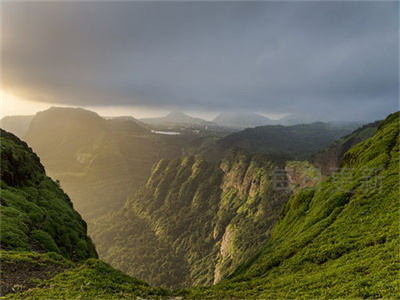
column 177, row 117
column 233, row 120
column 297, row 141
column 99, row 161
column 89, row 153
column 241, row 120
column 223, row 124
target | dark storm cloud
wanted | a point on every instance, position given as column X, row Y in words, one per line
column 314, row 59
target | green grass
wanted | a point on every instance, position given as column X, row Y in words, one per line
column 39, row 259
column 88, row 280
column 332, row 243
column 35, row 212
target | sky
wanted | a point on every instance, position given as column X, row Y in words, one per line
column 313, row 60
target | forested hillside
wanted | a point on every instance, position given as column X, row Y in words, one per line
column 298, row 141
column 194, row 221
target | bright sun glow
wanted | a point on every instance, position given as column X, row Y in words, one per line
column 12, row 105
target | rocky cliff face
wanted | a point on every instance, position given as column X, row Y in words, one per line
column 210, row 217
column 302, row 174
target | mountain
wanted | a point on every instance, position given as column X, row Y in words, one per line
column 128, row 123
column 176, row 117
column 298, row 141
column 194, row 221
column 338, row 241
column 45, row 250
column 328, row 160
column 34, row 208
column 17, row 125
column 99, row 162
column 241, row 120
column 60, row 136
column 180, row 123
column 291, row 120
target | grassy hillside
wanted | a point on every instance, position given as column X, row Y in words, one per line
column 35, row 213
column 328, row 160
column 46, row 252
column 88, row 280
column 194, row 222
column 339, row 241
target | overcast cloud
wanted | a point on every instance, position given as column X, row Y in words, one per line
column 333, row 60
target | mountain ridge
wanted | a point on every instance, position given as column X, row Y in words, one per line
column 177, row 117
column 241, row 120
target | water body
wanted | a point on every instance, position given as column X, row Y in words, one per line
column 166, row 132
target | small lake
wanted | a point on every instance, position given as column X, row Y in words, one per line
column 166, row 132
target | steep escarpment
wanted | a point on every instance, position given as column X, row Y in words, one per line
column 194, row 221
column 338, row 241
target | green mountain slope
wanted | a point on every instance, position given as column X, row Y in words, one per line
column 339, row 241
column 328, row 160
column 194, row 222
column 92, row 279
column 45, row 251
column 35, row 213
